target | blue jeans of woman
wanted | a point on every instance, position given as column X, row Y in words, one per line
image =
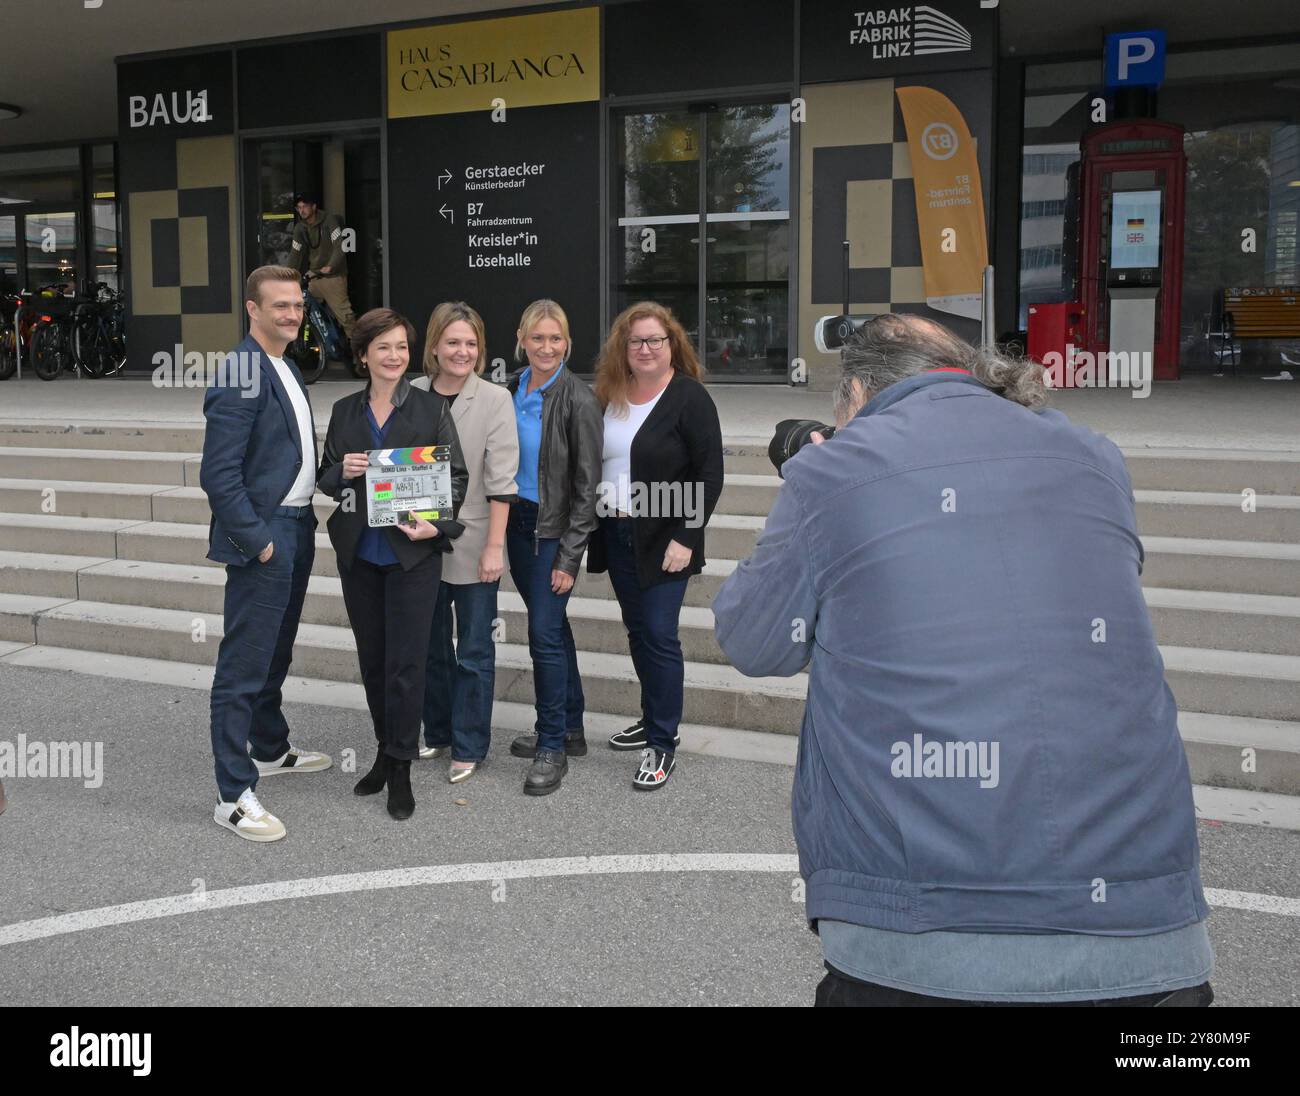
column 558, row 688
column 650, row 616
column 458, row 681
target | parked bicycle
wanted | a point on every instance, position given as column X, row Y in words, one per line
column 9, row 338
column 320, row 339
column 99, row 332
column 50, row 348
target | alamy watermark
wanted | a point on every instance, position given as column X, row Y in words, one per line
column 953, row 760
column 112, row 1050
column 651, row 500
column 180, row 368
column 1109, row 369
column 82, row 761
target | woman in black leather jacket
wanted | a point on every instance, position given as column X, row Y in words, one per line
column 560, row 434
column 389, row 574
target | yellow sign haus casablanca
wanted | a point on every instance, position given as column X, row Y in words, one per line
column 525, row 60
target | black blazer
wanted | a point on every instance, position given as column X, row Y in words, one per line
column 680, row 442
column 418, row 418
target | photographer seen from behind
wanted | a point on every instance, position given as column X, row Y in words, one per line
column 991, row 802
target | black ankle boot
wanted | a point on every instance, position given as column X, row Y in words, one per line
column 373, row 782
column 401, row 800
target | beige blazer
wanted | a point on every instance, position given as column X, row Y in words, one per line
column 484, row 415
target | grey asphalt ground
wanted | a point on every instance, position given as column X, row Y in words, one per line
column 663, row 938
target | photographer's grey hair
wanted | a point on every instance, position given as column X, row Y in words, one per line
column 892, row 348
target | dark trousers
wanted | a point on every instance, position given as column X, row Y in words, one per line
column 651, row 617
column 838, row 989
column 556, row 683
column 389, row 610
column 459, row 680
column 263, row 604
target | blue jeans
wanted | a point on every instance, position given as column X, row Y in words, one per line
column 558, row 688
column 458, row 682
column 263, row 604
column 650, row 616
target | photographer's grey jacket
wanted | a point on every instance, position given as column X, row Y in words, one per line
column 959, row 568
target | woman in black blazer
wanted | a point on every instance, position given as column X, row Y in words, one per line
column 660, row 480
column 389, row 575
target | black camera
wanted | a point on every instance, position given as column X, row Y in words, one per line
column 832, row 332
column 791, row 436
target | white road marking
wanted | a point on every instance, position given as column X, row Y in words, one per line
column 154, row 908
column 1258, row 903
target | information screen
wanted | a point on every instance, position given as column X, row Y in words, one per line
column 1135, row 230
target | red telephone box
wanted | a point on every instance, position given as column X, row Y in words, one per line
column 1131, row 240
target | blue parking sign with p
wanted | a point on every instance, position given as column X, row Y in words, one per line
column 1135, row 58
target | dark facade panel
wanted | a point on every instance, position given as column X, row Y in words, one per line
column 211, row 205
column 161, row 98
column 303, row 83
column 853, row 40
column 457, row 237
column 653, row 48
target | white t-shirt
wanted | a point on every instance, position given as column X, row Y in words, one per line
column 616, row 465
column 305, row 485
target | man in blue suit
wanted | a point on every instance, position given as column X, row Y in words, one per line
column 259, row 473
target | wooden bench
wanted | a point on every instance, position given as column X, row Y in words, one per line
column 1266, row 312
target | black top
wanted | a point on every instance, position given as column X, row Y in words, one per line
column 680, row 443
column 418, row 418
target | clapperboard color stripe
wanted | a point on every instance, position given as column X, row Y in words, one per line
column 428, row 454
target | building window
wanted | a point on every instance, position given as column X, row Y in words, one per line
column 724, row 269
column 1053, row 207
column 104, row 217
column 1039, row 163
column 1040, row 258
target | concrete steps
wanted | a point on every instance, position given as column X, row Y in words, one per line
column 1259, row 752
column 97, row 465
column 1218, row 516
column 1182, row 618
column 103, row 534
column 715, row 694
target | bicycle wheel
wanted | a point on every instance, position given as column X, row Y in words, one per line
column 86, row 339
column 305, row 351
column 8, row 353
column 47, row 351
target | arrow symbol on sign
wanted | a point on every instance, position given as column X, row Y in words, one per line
column 445, row 177
column 448, row 214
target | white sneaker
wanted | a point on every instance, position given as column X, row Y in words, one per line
column 249, row 819
column 294, row 761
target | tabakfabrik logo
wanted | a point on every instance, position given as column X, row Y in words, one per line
column 908, row 32
column 132, row 1051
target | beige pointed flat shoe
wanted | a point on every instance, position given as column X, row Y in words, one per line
column 455, row 775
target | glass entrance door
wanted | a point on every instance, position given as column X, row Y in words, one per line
column 344, row 171
column 51, row 240
column 703, row 206
column 9, row 255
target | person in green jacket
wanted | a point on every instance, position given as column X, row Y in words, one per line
column 318, row 248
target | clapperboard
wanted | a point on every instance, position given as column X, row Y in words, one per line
column 402, row 484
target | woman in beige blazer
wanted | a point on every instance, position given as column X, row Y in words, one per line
column 459, row 681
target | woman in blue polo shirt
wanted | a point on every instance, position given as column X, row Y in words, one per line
column 560, row 437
